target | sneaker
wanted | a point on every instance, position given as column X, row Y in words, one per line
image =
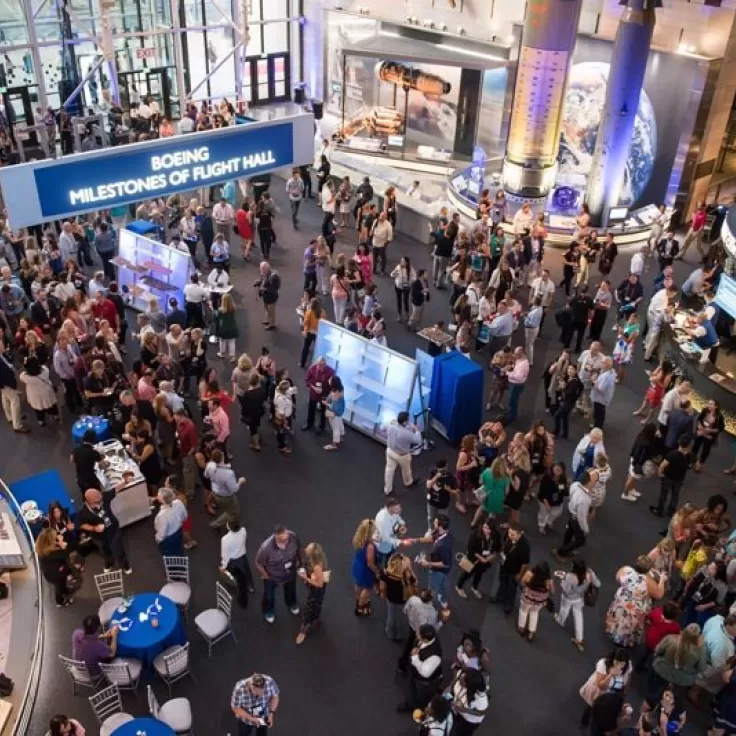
column 635, row 493
column 295, row 610
column 270, row 618
column 461, row 592
column 476, row 593
column 628, row 497
column 128, row 570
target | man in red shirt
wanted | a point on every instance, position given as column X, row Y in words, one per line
column 186, row 431
column 103, row 308
column 660, row 622
column 696, row 232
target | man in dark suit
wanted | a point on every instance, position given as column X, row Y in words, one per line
column 667, row 250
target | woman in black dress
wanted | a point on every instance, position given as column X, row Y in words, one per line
column 315, row 575
column 54, row 562
column 252, row 409
column 570, row 259
column 143, row 451
column 194, row 358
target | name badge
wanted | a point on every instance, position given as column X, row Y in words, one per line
column 287, row 565
column 503, row 558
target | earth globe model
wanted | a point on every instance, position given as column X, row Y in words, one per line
column 584, row 101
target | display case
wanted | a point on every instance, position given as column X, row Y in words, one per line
column 379, row 382
column 148, row 268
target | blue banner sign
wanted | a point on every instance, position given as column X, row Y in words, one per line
column 113, row 177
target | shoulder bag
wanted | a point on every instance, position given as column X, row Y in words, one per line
column 464, row 562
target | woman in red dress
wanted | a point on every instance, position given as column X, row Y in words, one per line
column 244, row 222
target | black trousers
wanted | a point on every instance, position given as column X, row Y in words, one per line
column 506, row 593
column 702, row 445
column 562, row 420
column 266, row 238
column 476, row 573
column 249, row 729
column 669, row 488
column 240, row 570
column 599, row 415
column 113, row 550
column 597, row 323
column 579, row 329
column 402, row 300
column 379, row 256
column 574, row 537
column 312, row 408
column 74, row 400
column 309, row 339
column 310, row 283
column 107, row 266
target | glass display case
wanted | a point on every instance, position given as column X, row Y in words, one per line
column 148, row 268
column 379, row 382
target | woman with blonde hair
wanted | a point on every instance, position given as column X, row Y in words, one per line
column 466, row 472
column 227, row 328
column 678, row 659
column 315, row 575
column 54, row 562
column 322, row 264
column 664, row 556
column 398, row 584
column 241, row 375
column 365, row 568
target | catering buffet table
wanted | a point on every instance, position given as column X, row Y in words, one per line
column 709, row 380
column 131, row 500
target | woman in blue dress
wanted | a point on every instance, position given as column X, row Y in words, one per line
column 365, row 566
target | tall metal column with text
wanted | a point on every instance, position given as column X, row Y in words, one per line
column 530, row 164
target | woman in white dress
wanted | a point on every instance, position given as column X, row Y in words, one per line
column 40, row 392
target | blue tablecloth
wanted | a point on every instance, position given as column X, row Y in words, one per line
column 144, row 642
column 99, row 424
column 43, row 488
column 149, row 726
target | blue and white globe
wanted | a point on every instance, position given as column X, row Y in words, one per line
column 584, row 101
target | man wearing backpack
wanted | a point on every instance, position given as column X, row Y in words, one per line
column 268, row 290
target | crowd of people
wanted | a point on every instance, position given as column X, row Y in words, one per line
column 64, row 333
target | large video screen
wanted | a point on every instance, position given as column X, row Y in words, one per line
column 665, row 98
column 726, row 294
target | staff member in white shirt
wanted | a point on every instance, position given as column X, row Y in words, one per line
column 234, row 560
column 543, row 287
column 195, row 297
column 224, row 216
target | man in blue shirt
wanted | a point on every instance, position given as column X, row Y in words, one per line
column 500, row 328
column 310, row 268
column 532, row 323
column 13, row 303
column 439, row 562
column 602, row 393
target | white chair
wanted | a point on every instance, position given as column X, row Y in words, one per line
column 123, row 672
column 176, row 713
column 112, row 593
column 177, row 588
column 80, row 674
column 215, row 623
column 173, row 664
column 109, row 710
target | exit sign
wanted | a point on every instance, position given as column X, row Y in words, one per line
column 145, row 53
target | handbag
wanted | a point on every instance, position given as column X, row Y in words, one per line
column 590, row 597
column 480, row 494
column 464, row 562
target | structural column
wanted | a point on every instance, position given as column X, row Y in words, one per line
column 625, row 82
column 178, row 55
column 29, row 17
column 550, row 28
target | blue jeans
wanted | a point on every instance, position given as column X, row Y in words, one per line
column 269, row 595
column 515, row 390
column 395, row 621
column 437, row 584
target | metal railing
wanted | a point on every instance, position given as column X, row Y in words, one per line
column 24, row 711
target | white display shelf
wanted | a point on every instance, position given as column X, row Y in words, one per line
column 358, row 411
column 378, row 388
